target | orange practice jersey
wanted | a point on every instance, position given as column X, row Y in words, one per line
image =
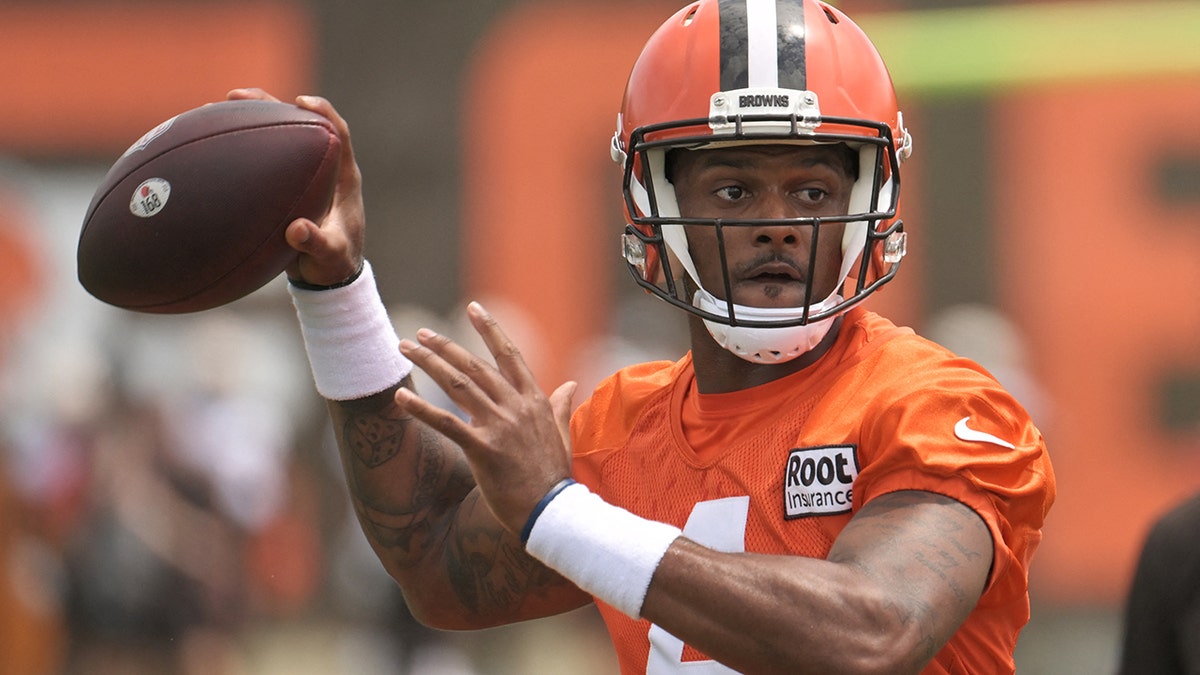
column 781, row 468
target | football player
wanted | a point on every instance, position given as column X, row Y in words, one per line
column 809, row 489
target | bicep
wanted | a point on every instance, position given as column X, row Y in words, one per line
column 933, row 551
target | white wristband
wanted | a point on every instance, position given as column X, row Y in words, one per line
column 606, row 550
column 351, row 343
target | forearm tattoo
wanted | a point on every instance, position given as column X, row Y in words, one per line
column 404, row 478
column 372, row 438
column 489, row 569
column 412, row 491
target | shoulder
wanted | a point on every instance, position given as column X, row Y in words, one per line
column 636, row 383
column 944, row 406
column 901, row 363
column 870, row 342
column 886, row 367
column 620, row 397
column 928, row 414
column 646, row 375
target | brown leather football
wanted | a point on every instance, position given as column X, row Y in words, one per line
column 193, row 215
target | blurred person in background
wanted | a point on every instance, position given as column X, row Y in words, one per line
column 31, row 620
column 198, row 521
column 1162, row 610
column 31, row 626
column 165, row 518
column 809, row 489
column 136, row 587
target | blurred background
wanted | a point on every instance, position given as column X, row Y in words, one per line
column 170, row 498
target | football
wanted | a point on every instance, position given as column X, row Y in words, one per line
column 192, row 216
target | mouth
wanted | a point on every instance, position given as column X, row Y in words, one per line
column 777, row 270
column 773, row 282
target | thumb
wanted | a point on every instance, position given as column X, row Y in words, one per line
column 302, row 235
column 560, row 404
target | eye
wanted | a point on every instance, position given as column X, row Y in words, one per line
column 730, row 192
column 812, row 195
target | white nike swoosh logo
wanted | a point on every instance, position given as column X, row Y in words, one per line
column 966, row 433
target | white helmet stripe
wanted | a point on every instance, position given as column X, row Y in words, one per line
column 762, row 45
column 763, row 56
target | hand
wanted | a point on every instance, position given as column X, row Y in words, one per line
column 517, row 441
column 332, row 250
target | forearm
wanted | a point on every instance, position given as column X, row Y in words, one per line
column 404, row 481
column 412, row 493
column 416, row 501
column 784, row 614
column 899, row 580
column 410, row 486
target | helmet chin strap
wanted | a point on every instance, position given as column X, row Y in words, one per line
column 766, row 345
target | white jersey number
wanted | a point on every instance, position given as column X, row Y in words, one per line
column 719, row 524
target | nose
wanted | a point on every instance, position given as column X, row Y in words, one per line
column 775, row 206
column 778, row 235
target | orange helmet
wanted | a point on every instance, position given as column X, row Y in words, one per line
column 760, row 71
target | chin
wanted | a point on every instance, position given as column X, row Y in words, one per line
column 774, row 296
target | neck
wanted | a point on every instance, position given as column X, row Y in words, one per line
column 719, row 370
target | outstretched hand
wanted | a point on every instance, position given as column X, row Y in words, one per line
column 332, row 250
column 517, row 440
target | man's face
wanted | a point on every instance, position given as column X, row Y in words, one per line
column 768, row 266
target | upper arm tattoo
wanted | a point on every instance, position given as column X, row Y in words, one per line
column 933, row 551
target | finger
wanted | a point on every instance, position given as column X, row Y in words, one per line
column 439, row 419
column 323, row 259
column 249, row 93
column 508, row 357
column 560, row 404
column 322, row 106
column 465, row 378
column 299, row 235
column 478, row 370
column 307, row 237
column 317, row 104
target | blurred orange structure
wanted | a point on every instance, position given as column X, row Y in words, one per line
column 92, row 77
column 1100, row 265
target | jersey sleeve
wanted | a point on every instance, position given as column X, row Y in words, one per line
column 953, row 430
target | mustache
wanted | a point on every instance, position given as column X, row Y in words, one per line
column 771, row 260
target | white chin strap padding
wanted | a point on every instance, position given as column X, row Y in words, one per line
column 766, row 345
column 854, row 238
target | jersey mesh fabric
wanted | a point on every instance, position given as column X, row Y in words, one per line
column 648, row 442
